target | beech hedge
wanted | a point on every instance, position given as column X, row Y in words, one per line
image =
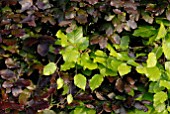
column 84, row 56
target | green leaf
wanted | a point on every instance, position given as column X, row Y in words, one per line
column 76, row 38
column 69, row 98
column 167, row 66
column 158, row 51
column 140, row 69
column 160, row 97
column 124, row 42
column 60, row 83
column 86, row 62
column 124, row 69
column 166, row 49
column 70, row 54
column 96, row 81
column 47, row 111
column 49, row 69
column 63, row 38
column 153, row 73
column 145, row 31
column 151, row 61
column 111, row 49
column 66, row 89
column 162, row 32
column 80, row 81
column 155, row 87
column 165, row 83
column 67, row 66
column 160, row 107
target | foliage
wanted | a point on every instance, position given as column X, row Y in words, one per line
column 85, row 56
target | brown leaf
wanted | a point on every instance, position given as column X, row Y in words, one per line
column 84, row 97
column 100, row 96
column 11, row 64
column 106, row 107
column 92, row 2
column 25, row 4
column 16, row 91
column 119, row 85
column 65, row 23
column 7, row 74
column 42, row 49
column 7, row 84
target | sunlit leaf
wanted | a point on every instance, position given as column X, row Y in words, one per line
column 162, row 32
column 96, row 81
column 60, row 83
column 160, row 97
column 49, row 69
column 124, row 69
column 26, row 4
column 80, row 81
column 153, row 73
column 165, row 83
column 69, row 98
column 151, row 61
column 63, row 38
column 166, row 49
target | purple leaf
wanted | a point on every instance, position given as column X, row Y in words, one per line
column 42, row 49
column 25, row 4
column 7, row 74
column 7, row 84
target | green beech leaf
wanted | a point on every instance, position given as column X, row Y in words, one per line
column 63, row 38
column 80, row 81
column 145, row 31
column 67, row 66
column 165, row 83
column 166, row 49
column 151, row 61
column 162, row 32
column 160, row 107
column 86, row 62
column 69, row 98
column 167, row 66
column 153, row 73
column 124, row 69
column 70, row 54
column 158, row 51
column 112, row 50
column 96, row 81
column 124, row 42
column 49, row 69
column 160, row 97
column 76, row 38
column 60, row 83
column 140, row 69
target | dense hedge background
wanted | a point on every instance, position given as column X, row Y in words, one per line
column 84, row 56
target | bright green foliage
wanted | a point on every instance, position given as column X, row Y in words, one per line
column 155, row 87
column 124, row 69
column 86, row 62
column 159, row 101
column 160, row 97
column 80, row 81
column 83, row 110
column 49, row 69
column 151, row 61
column 60, row 83
column 69, row 98
column 166, row 49
column 165, row 84
column 124, row 42
column 145, row 31
column 167, row 66
column 74, row 42
column 153, row 73
column 96, row 81
column 162, row 32
column 63, row 38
